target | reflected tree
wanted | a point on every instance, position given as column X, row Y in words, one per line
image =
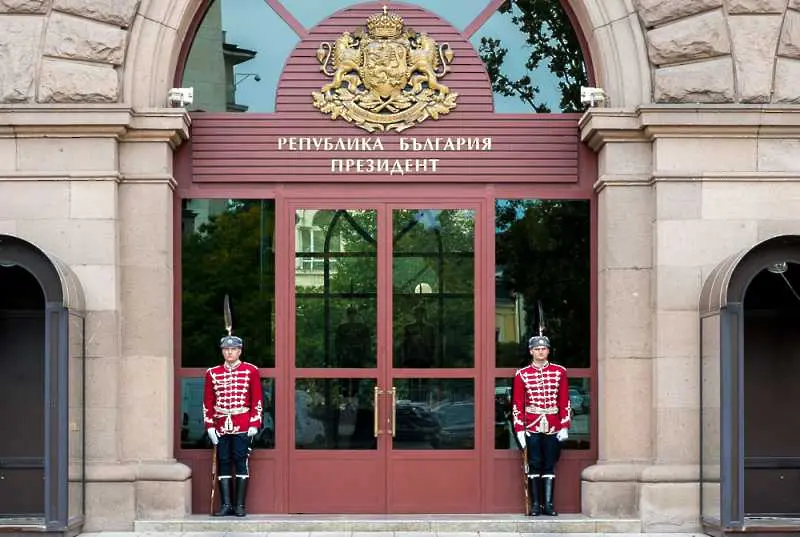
column 231, row 253
column 553, row 45
column 543, row 254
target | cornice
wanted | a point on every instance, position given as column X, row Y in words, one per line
column 599, row 126
column 170, row 125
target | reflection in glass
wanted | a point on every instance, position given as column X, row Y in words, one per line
column 710, row 398
column 434, row 414
column 334, row 414
column 193, row 429
column 542, row 252
column 459, row 14
column 533, row 58
column 237, row 57
column 579, row 399
column 335, row 288
column 77, row 429
column 433, row 285
column 227, row 248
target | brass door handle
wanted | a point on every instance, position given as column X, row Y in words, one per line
column 375, row 408
column 394, row 411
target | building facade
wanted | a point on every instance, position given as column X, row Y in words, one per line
column 670, row 208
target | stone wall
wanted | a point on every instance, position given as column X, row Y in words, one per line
column 723, row 51
column 700, row 51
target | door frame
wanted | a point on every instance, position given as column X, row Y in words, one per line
column 271, row 466
column 387, row 459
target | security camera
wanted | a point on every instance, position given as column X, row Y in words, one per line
column 257, row 78
column 180, row 97
column 593, row 96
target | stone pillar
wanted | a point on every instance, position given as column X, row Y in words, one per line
column 611, row 487
column 162, row 487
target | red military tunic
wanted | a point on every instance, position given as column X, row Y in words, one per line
column 232, row 398
column 541, row 399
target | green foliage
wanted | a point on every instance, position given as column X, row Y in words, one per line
column 543, row 249
column 232, row 254
column 553, row 45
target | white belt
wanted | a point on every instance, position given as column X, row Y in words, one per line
column 537, row 410
column 231, row 411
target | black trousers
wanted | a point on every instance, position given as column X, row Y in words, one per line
column 543, row 453
column 233, row 452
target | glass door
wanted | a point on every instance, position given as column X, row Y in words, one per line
column 433, row 461
column 384, row 372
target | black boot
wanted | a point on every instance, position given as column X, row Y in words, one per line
column 241, row 496
column 225, row 505
column 548, row 509
column 534, row 484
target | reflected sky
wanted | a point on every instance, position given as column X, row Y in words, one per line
column 252, row 24
column 459, row 13
column 500, row 26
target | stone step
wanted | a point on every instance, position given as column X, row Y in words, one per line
column 352, row 524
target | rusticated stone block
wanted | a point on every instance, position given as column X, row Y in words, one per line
column 794, row 4
column 756, row 6
column 787, row 73
column 754, row 40
column 19, row 38
column 655, row 12
column 694, row 38
column 78, row 39
column 23, row 6
column 65, row 81
column 116, row 12
column 700, row 82
column 790, row 38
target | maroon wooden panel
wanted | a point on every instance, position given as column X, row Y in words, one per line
column 343, row 482
column 507, row 494
column 262, row 493
column 467, row 74
column 450, row 485
column 524, row 148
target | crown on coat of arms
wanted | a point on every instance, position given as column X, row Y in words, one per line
column 385, row 25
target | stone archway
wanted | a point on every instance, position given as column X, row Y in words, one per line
column 42, row 355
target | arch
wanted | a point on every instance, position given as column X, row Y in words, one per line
column 162, row 33
column 59, row 284
column 728, row 282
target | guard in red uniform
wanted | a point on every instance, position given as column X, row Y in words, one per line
column 541, row 414
column 232, row 412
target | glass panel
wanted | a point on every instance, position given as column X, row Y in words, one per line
column 335, row 414
column 335, row 288
column 227, row 248
column 76, row 428
column 710, row 434
column 542, row 254
column 433, row 283
column 579, row 431
column 459, row 14
column 237, row 57
column 193, row 430
column 434, row 414
column 533, row 58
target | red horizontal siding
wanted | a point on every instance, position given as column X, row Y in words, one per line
column 541, row 148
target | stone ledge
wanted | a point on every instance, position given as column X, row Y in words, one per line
column 81, row 120
column 599, row 126
column 391, row 523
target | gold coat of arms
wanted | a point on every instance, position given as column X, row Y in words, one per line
column 385, row 78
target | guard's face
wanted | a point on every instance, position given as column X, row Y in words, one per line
column 231, row 354
column 540, row 353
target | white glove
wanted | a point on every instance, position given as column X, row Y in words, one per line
column 521, row 438
column 562, row 435
column 252, row 431
column 212, row 435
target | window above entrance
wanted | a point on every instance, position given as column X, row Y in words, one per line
column 245, row 53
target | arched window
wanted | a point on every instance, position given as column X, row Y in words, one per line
column 529, row 47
